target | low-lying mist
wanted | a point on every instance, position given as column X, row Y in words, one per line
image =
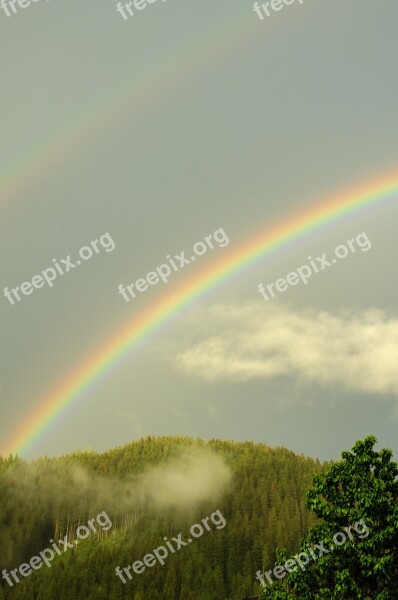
column 182, row 483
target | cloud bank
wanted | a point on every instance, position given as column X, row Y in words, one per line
column 357, row 351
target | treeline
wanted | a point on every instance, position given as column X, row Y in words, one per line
column 264, row 507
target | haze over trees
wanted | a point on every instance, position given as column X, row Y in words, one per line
column 159, row 487
column 152, row 488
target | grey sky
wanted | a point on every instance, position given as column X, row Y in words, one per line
column 219, row 120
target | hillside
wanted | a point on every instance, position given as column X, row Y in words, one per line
column 152, row 489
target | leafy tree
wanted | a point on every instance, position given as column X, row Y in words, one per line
column 356, row 544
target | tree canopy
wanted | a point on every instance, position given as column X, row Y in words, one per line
column 355, row 544
column 264, row 507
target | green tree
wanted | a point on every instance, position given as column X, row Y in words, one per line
column 357, row 496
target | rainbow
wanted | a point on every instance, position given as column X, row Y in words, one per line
column 81, row 380
column 96, row 118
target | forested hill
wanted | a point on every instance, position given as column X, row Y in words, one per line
column 151, row 489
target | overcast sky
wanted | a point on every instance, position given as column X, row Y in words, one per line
column 159, row 130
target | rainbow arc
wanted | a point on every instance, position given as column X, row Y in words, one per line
column 79, row 382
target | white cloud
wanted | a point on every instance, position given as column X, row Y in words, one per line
column 356, row 351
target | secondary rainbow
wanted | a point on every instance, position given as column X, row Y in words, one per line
column 80, row 129
column 114, row 349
